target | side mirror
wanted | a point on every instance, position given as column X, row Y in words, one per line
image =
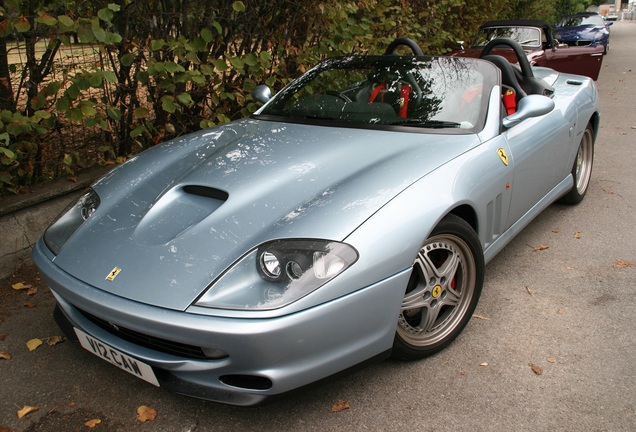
column 529, row 106
column 262, row 93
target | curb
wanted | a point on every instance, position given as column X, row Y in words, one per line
column 23, row 218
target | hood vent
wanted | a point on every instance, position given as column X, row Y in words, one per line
column 205, row 191
column 177, row 211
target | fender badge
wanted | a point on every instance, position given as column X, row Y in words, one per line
column 113, row 274
column 503, row 156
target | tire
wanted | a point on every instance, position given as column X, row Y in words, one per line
column 443, row 291
column 582, row 168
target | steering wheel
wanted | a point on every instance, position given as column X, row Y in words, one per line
column 526, row 70
column 410, row 43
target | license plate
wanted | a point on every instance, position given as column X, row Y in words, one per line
column 117, row 358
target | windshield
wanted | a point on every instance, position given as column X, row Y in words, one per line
column 423, row 92
column 526, row 36
column 589, row 21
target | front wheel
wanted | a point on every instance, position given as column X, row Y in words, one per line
column 442, row 292
column 582, row 168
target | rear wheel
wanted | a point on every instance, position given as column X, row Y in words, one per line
column 442, row 292
column 582, row 168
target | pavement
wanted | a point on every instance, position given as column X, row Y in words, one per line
column 551, row 346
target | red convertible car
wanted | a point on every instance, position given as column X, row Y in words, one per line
column 538, row 42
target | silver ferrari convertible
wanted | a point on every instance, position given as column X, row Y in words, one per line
column 350, row 218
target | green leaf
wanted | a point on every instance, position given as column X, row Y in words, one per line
column 63, row 104
column 5, row 28
column 114, row 113
column 66, row 21
column 237, row 62
column 167, row 103
column 238, row 6
column 143, row 77
column 217, row 27
column 105, row 15
column 207, row 35
column 100, row 34
column 41, row 114
column 251, row 60
column 220, row 65
column 8, row 153
column 110, row 76
column 185, row 99
column 114, row 7
column 112, row 38
column 96, row 79
column 85, row 33
column 140, row 113
column 75, row 114
column 173, row 67
column 127, row 59
column 47, row 19
column 53, row 87
column 138, row 131
column 72, row 92
column 22, row 24
column 157, row 44
column 88, row 110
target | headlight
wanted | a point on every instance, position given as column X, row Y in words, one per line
column 70, row 220
column 278, row 273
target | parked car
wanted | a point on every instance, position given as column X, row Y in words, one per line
column 612, row 16
column 584, row 29
column 348, row 219
column 541, row 47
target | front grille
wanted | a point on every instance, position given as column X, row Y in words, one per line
column 154, row 343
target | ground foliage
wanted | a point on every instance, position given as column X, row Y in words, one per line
column 164, row 68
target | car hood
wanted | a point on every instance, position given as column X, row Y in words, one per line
column 175, row 217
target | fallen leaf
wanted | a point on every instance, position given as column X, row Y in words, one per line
column 577, row 234
column 145, row 413
column 340, row 405
column 29, row 305
column 540, row 248
column 483, row 364
column 555, row 230
column 32, row 291
column 5, row 355
column 20, row 286
column 26, row 411
column 536, row 368
column 621, row 264
column 481, row 317
column 33, row 344
column 529, row 290
column 560, row 311
column 92, row 423
column 54, row 340
column 569, row 268
column 3, row 338
column 552, row 360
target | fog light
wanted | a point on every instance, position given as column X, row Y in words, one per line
column 213, row 353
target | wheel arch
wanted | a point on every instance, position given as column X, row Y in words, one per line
column 468, row 214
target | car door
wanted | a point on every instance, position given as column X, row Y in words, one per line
column 581, row 60
column 539, row 148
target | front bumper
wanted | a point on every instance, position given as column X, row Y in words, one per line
column 266, row 356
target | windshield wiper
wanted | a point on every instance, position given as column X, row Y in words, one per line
column 435, row 124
